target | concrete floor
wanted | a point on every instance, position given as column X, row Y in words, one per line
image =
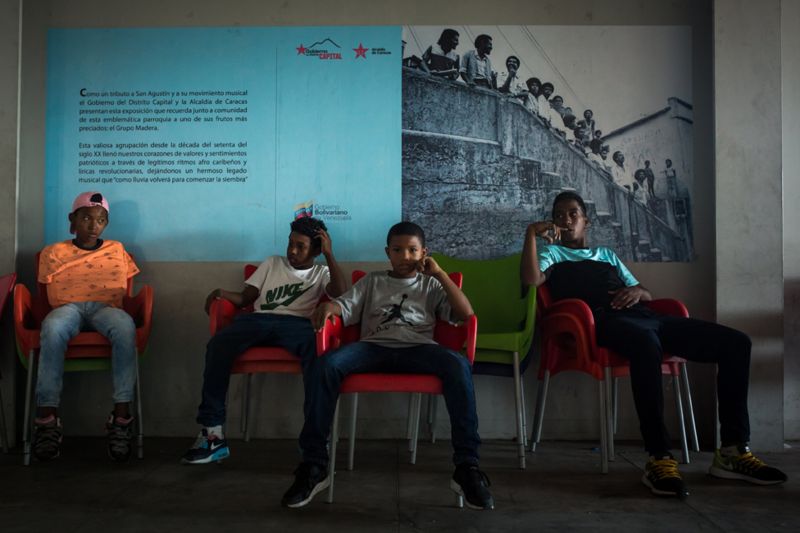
column 562, row 489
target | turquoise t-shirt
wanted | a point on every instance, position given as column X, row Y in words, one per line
column 591, row 274
column 552, row 254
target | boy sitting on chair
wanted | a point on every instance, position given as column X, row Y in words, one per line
column 285, row 291
column 86, row 279
column 623, row 324
column 397, row 310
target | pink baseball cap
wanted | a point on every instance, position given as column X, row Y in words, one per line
column 89, row 199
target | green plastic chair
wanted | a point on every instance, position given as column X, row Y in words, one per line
column 505, row 317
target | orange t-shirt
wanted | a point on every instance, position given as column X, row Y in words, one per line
column 75, row 275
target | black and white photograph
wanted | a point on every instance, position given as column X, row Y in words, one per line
column 498, row 120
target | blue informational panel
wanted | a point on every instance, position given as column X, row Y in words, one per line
column 208, row 142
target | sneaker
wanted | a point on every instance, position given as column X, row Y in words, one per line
column 661, row 476
column 472, row 486
column 120, row 433
column 47, row 437
column 745, row 466
column 206, row 449
column 309, row 480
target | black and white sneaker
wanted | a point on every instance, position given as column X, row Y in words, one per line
column 47, row 436
column 120, row 432
column 309, row 480
column 472, row 487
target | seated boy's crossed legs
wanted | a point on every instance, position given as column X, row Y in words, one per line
column 58, row 328
column 326, row 376
column 246, row 331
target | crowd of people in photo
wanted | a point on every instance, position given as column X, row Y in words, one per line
column 475, row 70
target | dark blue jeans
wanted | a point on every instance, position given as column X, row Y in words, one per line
column 247, row 330
column 327, row 372
column 642, row 337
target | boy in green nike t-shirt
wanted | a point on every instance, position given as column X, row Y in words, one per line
column 284, row 292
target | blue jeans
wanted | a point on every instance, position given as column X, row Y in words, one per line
column 62, row 324
column 293, row 333
column 327, row 372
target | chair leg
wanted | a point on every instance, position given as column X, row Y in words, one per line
column 601, row 387
column 518, row 399
column 3, row 432
column 248, row 384
column 538, row 417
column 415, row 431
column 615, row 402
column 332, row 452
column 139, row 418
column 676, row 384
column 609, row 416
column 524, row 412
column 433, row 403
column 28, row 420
column 351, row 439
column 687, row 391
column 409, row 421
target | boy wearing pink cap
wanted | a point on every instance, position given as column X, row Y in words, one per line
column 86, row 279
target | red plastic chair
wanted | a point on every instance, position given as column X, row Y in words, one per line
column 568, row 342
column 86, row 351
column 256, row 360
column 333, row 335
column 6, row 284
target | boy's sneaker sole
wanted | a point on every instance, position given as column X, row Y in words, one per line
column 217, row 456
column 727, row 474
column 319, row 487
column 455, row 487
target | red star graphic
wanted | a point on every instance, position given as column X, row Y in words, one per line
column 360, row 51
column 301, row 50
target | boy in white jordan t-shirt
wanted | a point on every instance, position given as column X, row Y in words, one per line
column 284, row 292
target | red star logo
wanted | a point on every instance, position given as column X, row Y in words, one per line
column 360, row 51
column 301, row 50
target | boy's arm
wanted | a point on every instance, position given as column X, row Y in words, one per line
column 529, row 271
column 239, row 299
column 337, row 285
column 458, row 301
column 323, row 312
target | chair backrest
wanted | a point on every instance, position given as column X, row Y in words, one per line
column 494, row 289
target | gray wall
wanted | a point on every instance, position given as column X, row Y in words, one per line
column 748, row 153
column 790, row 98
column 171, row 373
column 9, row 63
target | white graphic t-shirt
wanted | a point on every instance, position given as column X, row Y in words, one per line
column 284, row 290
column 395, row 312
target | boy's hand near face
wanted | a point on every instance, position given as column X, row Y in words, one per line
column 547, row 230
column 428, row 266
column 325, row 244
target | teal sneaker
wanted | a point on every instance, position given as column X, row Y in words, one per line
column 208, row 448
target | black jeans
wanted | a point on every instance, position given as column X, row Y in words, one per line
column 247, row 330
column 642, row 336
